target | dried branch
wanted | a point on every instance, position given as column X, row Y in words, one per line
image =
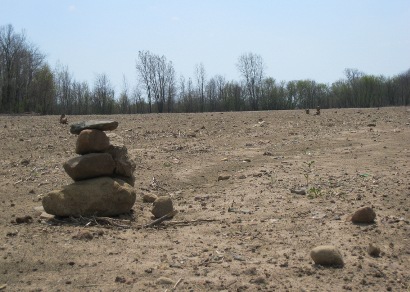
column 163, row 218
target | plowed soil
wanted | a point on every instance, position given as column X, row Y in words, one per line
column 239, row 227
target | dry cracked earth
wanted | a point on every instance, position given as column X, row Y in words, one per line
column 239, row 227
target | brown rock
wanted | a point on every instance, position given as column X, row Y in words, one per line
column 90, row 141
column 162, row 206
column 25, row 219
column 373, row 250
column 83, row 235
column 46, row 216
column 364, row 215
column 90, row 166
column 326, row 255
column 223, row 177
column 101, row 196
column 63, row 119
column 149, row 198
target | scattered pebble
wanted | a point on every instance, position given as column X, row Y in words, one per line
column 259, row 280
column 46, row 216
column 149, row 198
column 224, row 177
column 83, row 235
column 298, row 191
column 373, row 250
column 162, row 206
column 26, row 219
column 326, row 255
column 364, row 215
column 164, row 281
column 119, row 279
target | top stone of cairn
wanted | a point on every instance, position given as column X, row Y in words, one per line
column 76, row 128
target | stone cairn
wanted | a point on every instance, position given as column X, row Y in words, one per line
column 103, row 175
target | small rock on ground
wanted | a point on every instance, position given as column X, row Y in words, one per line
column 364, row 215
column 373, row 250
column 149, row 198
column 326, row 255
column 162, row 206
column 223, row 177
column 164, row 281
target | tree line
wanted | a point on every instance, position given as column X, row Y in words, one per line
column 29, row 84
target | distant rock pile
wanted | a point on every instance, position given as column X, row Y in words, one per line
column 103, row 175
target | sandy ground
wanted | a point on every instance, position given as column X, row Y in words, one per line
column 244, row 233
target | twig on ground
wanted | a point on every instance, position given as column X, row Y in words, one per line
column 93, row 221
column 230, row 284
column 111, row 221
column 161, row 219
column 188, row 222
column 176, row 284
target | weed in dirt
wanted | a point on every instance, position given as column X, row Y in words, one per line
column 313, row 192
column 308, row 171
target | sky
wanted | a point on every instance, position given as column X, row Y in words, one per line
column 297, row 39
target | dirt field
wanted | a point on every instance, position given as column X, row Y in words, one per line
column 245, row 232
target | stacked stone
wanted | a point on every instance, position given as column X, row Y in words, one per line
column 103, row 175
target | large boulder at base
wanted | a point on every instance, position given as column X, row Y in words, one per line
column 326, row 255
column 76, row 128
column 91, row 141
column 90, row 166
column 101, row 196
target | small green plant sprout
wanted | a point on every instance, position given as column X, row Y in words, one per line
column 314, row 193
column 308, row 171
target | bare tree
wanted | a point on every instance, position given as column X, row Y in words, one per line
column 251, row 67
column 103, row 95
column 63, row 86
column 171, row 87
column 157, row 76
column 19, row 62
column 124, row 101
column 200, row 76
column 145, row 72
column 42, row 91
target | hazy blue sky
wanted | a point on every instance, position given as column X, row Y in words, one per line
column 315, row 39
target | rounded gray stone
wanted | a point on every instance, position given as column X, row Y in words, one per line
column 162, row 206
column 326, row 255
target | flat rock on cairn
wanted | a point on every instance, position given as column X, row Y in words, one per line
column 326, row 255
column 76, row 128
column 103, row 175
column 364, row 215
column 90, row 166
